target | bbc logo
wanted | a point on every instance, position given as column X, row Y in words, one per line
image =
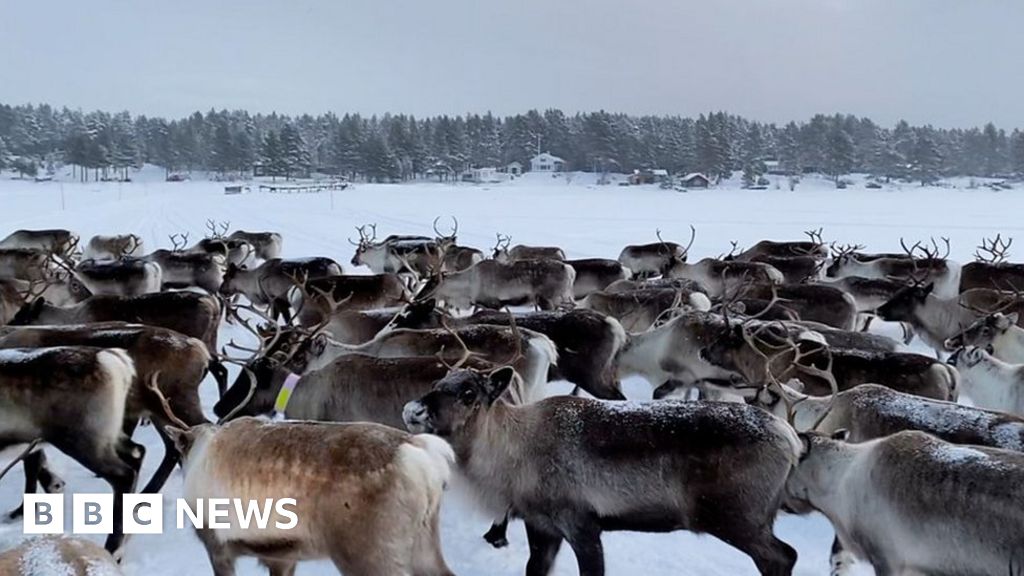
column 93, row 514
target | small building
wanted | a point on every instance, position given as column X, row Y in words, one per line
column 546, row 162
column 480, row 175
column 774, row 167
column 441, row 171
column 514, row 168
column 695, row 180
column 648, row 176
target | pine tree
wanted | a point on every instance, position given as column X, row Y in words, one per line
column 346, row 147
column 381, row 165
column 1016, row 152
column 838, row 152
column 272, row 156
column 295, row 152
column 223, row 149
column 4, row 154
column 927, row 160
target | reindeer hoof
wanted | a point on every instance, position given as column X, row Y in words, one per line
column 15, row 514
column 496, row 541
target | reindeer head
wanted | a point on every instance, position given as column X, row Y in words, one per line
column 842, row 256
column 367, row 239
column 675, row 254
column 904, row 303
column 814, row 475
column 500, row 250
column 457, row 401
column 446, row 241
column 983, row 332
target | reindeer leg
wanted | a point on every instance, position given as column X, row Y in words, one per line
column 497, row 536
column 584, row 535
column 840, row 559
column 543, row 549
column 220, row 375
column 166, row 465
column 32, row 463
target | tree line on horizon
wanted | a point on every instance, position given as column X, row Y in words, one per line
column 401, row 147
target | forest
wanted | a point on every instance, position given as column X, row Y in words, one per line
column 396, row 147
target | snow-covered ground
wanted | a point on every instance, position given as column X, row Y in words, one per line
column 587, row 220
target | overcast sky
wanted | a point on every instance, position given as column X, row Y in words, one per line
column 945, row 62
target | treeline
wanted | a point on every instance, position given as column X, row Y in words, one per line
column 400, row 147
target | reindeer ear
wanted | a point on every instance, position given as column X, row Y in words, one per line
column 1011, row 319
column 805, row 445
column 499, row 381
column 841, row 435
column 318, row 344
column 182, row 439
column 928, row 288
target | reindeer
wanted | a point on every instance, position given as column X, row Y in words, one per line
column 58, row 555
column 352, row 388
column 58, row 242
column 267, row 245
column 647, row 260
column 178, row 362
column 188, row 313
column 322, row 298
column 998, row 333
column 531, row 353
column 990, row 382
column 771, row 352
column 847, row 339
column 587, row 342
column 937, row 319
column 502, row 253
column 880, row 497
column 74, row 399
column 419, row 255
column 29, row 264
column 226, row 250
column 812, row 302
column 493, row 284
column 626, row 466
column 795, row 269
column 918, row 263
column 668, row 356
column 869, row 294
column 270, row 284
column 456, row 258
column 990, row 268
column 724, row 276
column 675, row 283
column 186, row 267
column 813, row 247
column 124, row 277
column 368, row 495
column 596, row 274
column 639, row 310
column 113, row 247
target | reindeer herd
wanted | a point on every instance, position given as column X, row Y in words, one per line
column 770, row 394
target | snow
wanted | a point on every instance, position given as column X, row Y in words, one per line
column 586, row 219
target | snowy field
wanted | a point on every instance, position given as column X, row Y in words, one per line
column 586, row 220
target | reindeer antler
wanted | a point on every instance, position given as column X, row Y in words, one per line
column 178, row 241
column 995, row 248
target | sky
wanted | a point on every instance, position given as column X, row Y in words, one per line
column 943, row 62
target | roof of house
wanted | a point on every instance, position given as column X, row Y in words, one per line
column 693, row 175
column 659, row 172
column 546, row 157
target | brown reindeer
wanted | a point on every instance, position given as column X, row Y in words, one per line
column 177, row 362
column 74, row 399
column 188, row 313
column 366, row 496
